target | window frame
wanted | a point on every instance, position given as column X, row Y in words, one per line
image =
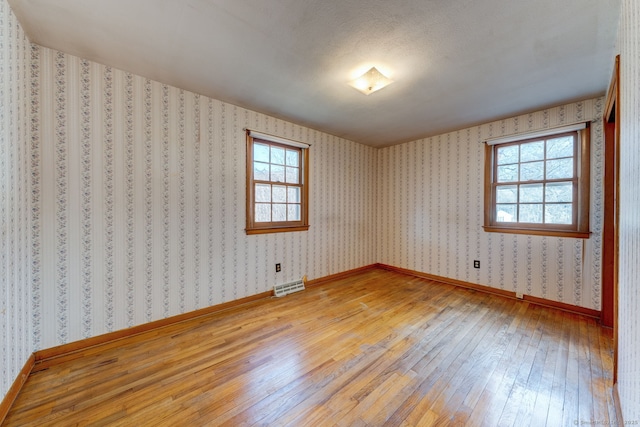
column 253, row 227
column 579, row 228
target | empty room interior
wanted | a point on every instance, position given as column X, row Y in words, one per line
column 241, row 212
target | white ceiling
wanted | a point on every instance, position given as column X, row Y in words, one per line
column 455, row 63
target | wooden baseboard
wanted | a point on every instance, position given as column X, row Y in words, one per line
column 342, row 275
column 64, row 350
column 51, row 356
column 507, row 294
column 15, row 388
column 78, row 346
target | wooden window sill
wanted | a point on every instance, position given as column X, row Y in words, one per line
column 538, row 232
column 276, row 229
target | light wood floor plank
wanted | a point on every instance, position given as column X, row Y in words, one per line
column 538, row 415
column 376, row 348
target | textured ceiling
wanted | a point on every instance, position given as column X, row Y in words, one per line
column 455, row 63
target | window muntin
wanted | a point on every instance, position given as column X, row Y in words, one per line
column 538, row 185
column 277, row 187
column 277, row 183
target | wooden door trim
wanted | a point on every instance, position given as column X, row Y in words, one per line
column 610, row 240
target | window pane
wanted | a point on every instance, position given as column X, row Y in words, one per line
column 560, row 147
column 531, row 213
column 557, row 169
column 261, row 153
column 277, row 173
column 532, row 171
column 279, row 194
column 559, row 192
column 506, row 213
column 293, row 212
column 263, row 193
column 532, row 151
column 536, row 185
column 277, row 155
column 558, row 214
column 276, row 188
column 260, row 171
column 279, row 212
column 293, row 194
column 508, row 154
column 507, row 173
column 263, row 212
column 531, row 193
column 507, row 194
column 293, row 158
column 292, row 175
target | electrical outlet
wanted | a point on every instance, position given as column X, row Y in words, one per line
column 519, row 295
column 278, row 268
column 476, row 263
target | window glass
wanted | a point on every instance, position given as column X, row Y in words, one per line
column 537, row 185
column 277, row 195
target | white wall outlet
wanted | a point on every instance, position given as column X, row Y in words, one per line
column 519, row 295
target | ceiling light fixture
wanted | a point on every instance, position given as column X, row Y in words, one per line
column 370, row 81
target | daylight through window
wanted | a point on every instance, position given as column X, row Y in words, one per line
column 539, row 185
column 277, row 185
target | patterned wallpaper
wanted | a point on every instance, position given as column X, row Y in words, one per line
column 629, row 290
column 15, row 203
column 431, row 214
column 141, row 208
column 122, row 202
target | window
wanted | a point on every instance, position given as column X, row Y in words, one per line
column 539, row 185
column 277, row 184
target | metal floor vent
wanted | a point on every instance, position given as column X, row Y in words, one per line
column 288, row 288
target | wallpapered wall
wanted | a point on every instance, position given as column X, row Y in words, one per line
column 15, row 202
column 142, row 202
column 629, row 261
column 431, row 214
column 122, row 202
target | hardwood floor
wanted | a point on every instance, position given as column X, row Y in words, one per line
column 378, row 348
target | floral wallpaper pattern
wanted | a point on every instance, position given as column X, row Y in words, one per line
column 122, row 202
column 629, row 253
column 15, row 200
column 142, row 197
column 431, row 202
